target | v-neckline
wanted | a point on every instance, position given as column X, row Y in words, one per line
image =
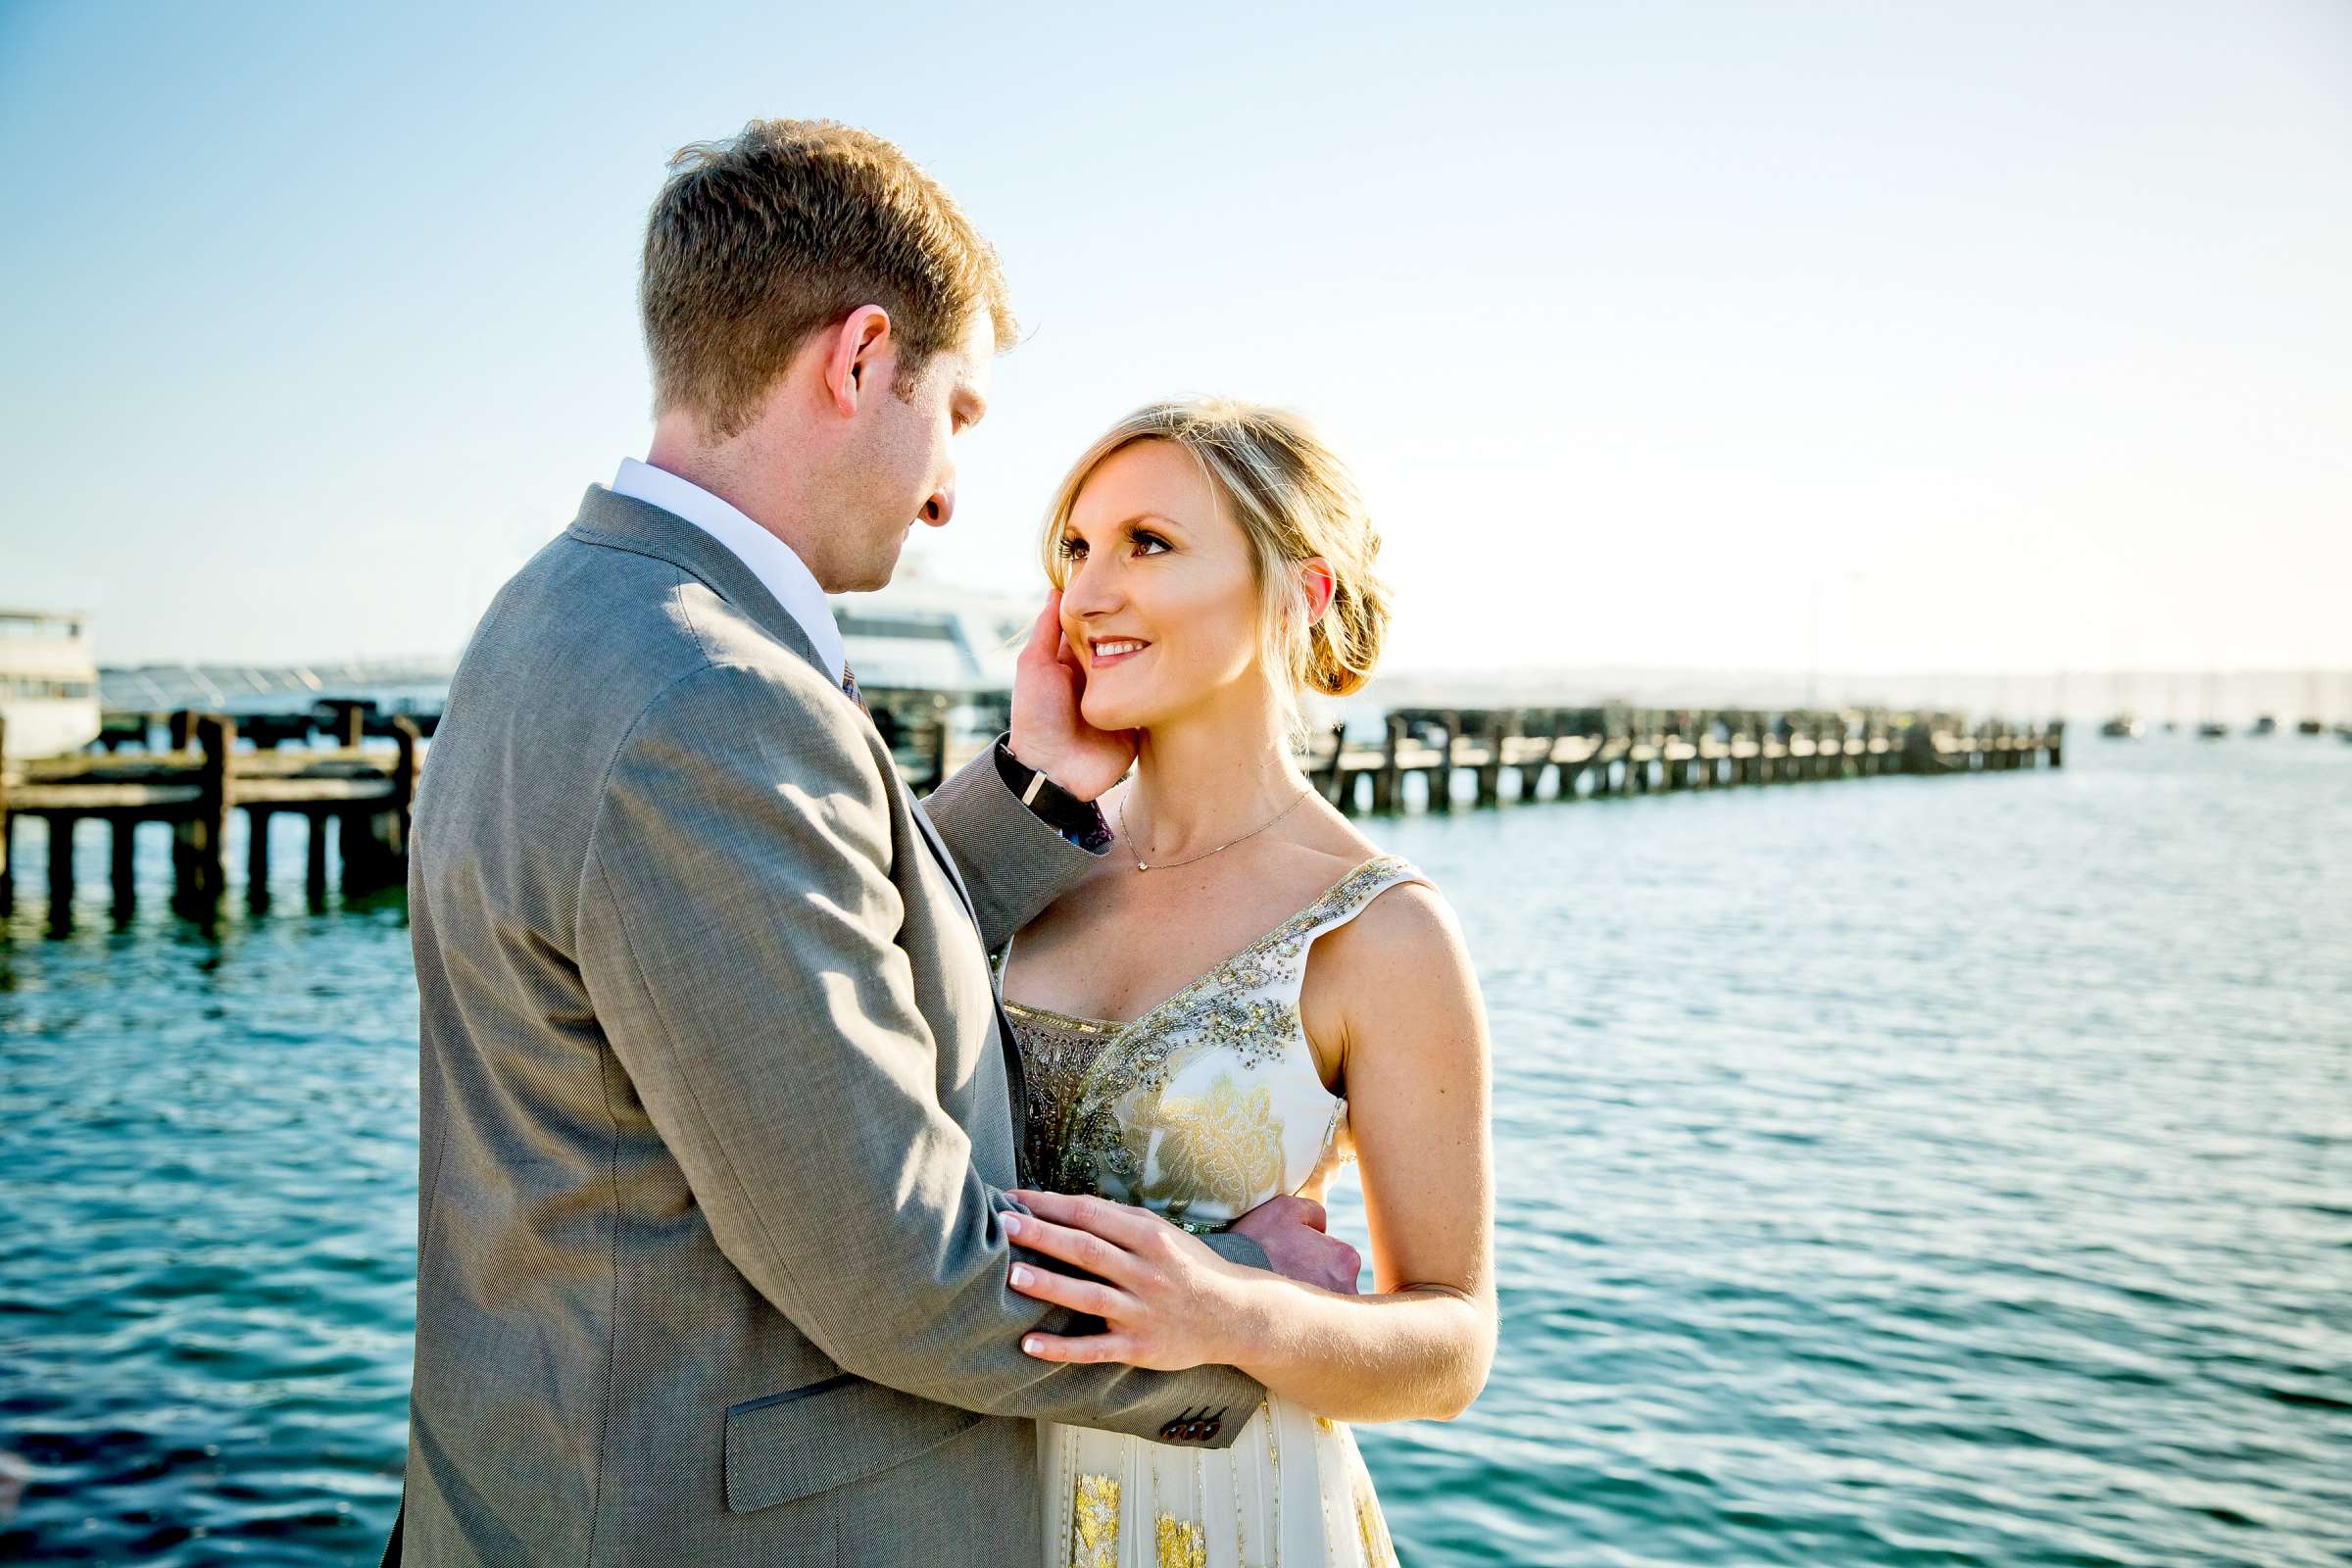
column 1115, row 1027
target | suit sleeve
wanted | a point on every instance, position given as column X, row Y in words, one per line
column 1013, row 862
column 737, row 928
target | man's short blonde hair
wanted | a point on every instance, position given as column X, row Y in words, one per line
column 758, row 241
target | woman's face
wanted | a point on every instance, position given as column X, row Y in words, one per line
column 1161, row 601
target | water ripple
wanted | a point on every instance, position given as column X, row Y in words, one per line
column 1912, row 1172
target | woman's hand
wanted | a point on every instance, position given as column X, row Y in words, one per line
column 1167, row 1302
column 1048, row 732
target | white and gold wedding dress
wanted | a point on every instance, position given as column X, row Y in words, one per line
column 1201, row 1109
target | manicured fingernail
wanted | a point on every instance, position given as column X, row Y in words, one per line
column 1012, row 1224
column 1020, row 1274
column 1032, row 1343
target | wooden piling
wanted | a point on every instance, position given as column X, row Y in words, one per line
column 407, row 753
column 346, row 721
column 61, row 869
column 256, row 857
column 1495, row 728
column 314, row 867
column 1328, row 778
column 367, row 850
column 1443, row 776
column 202, row 836
column 375, row 841
column 1387, row 792
column 124, row 871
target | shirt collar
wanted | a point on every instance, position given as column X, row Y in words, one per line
column 776, row 565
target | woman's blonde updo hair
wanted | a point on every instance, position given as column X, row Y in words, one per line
column 1293, row 499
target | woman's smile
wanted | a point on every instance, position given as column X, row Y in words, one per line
column 1102, row 653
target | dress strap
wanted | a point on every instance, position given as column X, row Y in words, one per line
column 1349, row 898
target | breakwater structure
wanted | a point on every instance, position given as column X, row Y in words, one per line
column 186, row 773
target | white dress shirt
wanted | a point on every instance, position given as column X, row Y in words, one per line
column 776, row 565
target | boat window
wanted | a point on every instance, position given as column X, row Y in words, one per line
column 31, row 687
column 908, row 628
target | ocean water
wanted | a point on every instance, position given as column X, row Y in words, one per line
column 1898, row 1171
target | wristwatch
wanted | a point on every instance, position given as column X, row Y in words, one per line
column 1079, row 821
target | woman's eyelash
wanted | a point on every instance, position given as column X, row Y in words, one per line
column 1067, row 548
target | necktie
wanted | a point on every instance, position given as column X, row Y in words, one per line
column 848, row 684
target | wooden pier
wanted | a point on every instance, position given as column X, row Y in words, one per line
column 358, row 797
column 1618, row 751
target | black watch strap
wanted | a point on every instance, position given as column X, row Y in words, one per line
column 1079, row 821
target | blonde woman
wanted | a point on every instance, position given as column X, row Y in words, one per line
column 1244, row 994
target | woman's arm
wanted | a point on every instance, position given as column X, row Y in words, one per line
column 1414, row 1066
column 1414, row 1060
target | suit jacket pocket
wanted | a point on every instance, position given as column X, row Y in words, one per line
column 812, row 1439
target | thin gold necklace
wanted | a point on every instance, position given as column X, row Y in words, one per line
column 1169, row 865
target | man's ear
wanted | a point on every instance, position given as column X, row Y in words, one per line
column 1322, row 586
column 861, row 355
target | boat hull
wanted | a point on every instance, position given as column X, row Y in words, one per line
column 48, row 727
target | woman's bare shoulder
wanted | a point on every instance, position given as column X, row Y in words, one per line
column 1404, row 936
column 1407, row 925
column 1395, row 984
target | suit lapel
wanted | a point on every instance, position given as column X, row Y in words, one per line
column 1016, row 1079
column 627, row 523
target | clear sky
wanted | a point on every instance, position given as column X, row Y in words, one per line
column 2015, row 335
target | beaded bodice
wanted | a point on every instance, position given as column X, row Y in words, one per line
column 1209, row 1103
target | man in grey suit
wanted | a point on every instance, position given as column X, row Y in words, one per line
column 717, row 1106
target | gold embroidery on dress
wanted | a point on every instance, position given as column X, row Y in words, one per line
column 1095, row 1522
column 1140, row 1058
column 1324, row 1422
column 1056, row 1053
column 1224, row 1146
column 1373, row 1531
column 1182, row 1544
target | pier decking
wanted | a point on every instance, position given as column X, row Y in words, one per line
column 357, row 799
column 358, row 795
column 1623, row 751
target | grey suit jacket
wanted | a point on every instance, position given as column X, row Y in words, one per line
column 717, row 1104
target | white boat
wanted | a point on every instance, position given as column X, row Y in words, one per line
column 921, row 635
column 48, row 683
column 926, row 651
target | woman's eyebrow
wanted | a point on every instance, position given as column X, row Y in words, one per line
column 1169, row 524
